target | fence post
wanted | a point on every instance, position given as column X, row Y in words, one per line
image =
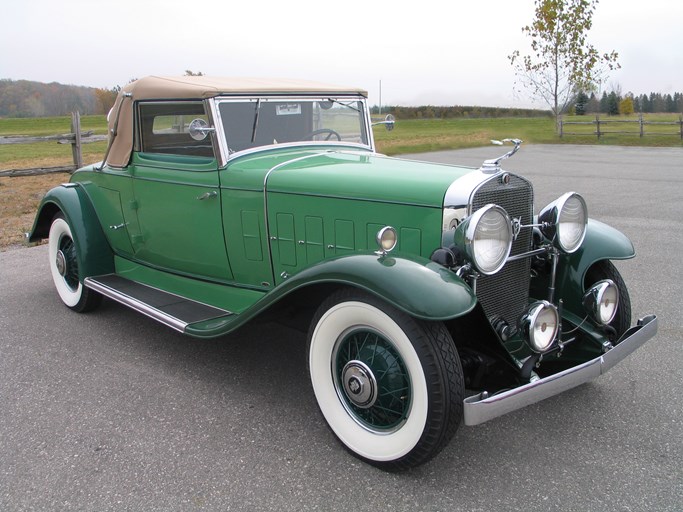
column 680, row 124
column 641, row 125
column 597, row 124
column 561, row 127
column 76, row 144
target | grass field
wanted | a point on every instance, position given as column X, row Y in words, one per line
column 20, row 196
column 414, row 136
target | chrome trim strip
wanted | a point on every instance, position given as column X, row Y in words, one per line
column 265, row 202
column 461, row 191
column 305, row 145
column 481, row 407
column 136, row 304
column 219, row 135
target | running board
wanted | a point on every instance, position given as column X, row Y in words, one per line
column 172, row 310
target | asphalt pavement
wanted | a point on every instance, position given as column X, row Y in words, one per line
column 112, row 411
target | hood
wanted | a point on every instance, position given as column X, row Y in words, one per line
column 364, row 176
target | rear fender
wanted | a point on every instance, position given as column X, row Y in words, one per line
column 94, row 254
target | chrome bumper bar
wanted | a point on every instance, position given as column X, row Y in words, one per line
column 482, row 407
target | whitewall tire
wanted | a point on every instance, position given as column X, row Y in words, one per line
column 389, row 386
column 63, row 259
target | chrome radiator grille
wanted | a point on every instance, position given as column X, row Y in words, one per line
column 506, row 294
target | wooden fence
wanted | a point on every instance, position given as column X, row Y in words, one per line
column 602, row 127
column 76, row 138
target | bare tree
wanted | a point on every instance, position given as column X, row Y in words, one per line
column 561, row 62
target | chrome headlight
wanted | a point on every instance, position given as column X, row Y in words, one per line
column 486, row 238
column 564, row 221
column 539, row 325
column 601, row 301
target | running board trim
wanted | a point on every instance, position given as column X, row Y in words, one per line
column 159, row 305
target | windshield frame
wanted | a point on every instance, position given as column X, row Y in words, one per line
column 227, row 155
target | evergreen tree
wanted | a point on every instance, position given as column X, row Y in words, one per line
column 581, row 103
column 637, row 107
column 670, row 104
column 613, row 104
column 655, row 102
column 593, row 105
column 604, row 103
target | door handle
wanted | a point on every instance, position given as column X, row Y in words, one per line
column 207, row 195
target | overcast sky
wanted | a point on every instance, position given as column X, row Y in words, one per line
column 430, row 52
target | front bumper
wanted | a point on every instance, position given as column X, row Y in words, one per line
column 482, row 407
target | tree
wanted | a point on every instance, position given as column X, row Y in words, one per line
column 604, row 103
column 626, row 106
column 580, row 104
column 613, row 104
column 562, row 62
column 670, row 103
column 593, row 105
column 105, row 99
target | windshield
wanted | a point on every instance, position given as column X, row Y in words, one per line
column 250, row 123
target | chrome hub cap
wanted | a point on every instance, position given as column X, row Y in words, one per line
column 359, row 384
column 371, row 380
column 60, row 262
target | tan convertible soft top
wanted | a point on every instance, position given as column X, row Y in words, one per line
column 195, row 87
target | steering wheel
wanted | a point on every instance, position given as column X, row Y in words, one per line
column 330, row 133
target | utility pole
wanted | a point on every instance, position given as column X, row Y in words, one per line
column 380, row 96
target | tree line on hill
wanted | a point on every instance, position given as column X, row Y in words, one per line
column 456, row 111
column 25, row 98
column 614, row 103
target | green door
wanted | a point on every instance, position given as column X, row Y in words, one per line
column 178, row 202
column 111, row 190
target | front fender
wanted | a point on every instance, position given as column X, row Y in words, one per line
column 416, row 285
column 94, row 254
column 602, row 242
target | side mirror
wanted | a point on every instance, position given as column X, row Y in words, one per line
column 388, row 122
column 199, row 129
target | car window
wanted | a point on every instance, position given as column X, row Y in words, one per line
column 164, row 128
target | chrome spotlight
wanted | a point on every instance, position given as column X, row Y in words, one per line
column 386, row 239
column 539, row 326
column 601, row 301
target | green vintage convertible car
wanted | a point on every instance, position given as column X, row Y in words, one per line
column 219, row 200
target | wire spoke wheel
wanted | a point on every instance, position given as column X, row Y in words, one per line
column 372, row 380
column 389, row 386
column 67, row 261
column 64, row 267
